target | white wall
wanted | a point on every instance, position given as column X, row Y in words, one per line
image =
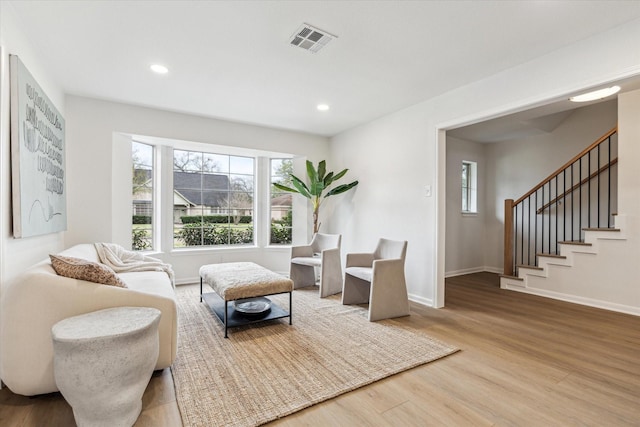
column 96, row 191
column 516, row 166
column 629, row 152
column 465, row 238
column 397, row 155
column 393, row 161
column 18, row 254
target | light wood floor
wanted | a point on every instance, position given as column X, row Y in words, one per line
column 525, row 361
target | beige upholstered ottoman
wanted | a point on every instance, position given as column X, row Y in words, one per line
column 240, row 287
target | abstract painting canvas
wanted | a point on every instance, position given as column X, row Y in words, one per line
column 37, row 157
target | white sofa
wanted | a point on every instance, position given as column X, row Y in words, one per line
column 37, row 299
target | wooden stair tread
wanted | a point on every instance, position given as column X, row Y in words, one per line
column 600, row 229
column 532, row 267
column 575, row 242
column 552, row 256
column 511, row 277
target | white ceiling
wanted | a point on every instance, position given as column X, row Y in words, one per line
column 232, row 60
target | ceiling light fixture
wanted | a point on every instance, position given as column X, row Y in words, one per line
column 596, row 94
column 159, row 69
column 322, row 107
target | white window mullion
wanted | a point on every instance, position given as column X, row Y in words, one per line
column 165, row 160
column 262, row 220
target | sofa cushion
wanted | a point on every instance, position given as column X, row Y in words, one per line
column 150, row 282
column 77, row 268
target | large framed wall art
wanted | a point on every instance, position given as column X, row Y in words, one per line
column 37, row 157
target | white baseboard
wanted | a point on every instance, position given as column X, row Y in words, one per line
column 495, row 270
column 472, row 270
column 428, row 302
column 621, row 308
column 188, row 281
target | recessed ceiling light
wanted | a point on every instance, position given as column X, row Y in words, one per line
column 322, row 107
column 160, row 69
column 596, row 94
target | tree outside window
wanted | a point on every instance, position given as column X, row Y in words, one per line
column 142, row 196
column 281, row 211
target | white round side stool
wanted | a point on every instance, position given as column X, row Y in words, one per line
column 103, row 362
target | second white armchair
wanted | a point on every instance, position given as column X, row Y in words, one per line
column 378, row 279
column 323, row 252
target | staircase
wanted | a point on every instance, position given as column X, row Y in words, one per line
column 564, row 220
column 571, row 254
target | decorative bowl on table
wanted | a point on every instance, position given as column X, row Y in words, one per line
column 252, row 305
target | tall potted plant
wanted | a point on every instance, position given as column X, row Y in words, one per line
column 318, row 188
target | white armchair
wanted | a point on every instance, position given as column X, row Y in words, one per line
column 378, row 278
column 322, row 252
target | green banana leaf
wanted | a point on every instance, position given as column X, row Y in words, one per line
column 341, row 189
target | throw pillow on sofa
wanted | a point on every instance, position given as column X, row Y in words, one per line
column 77, row 268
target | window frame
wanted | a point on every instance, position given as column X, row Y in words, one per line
column 229, row 173
column 153, row 234
column 269, row 205
column 469, row 193
column 164, row 202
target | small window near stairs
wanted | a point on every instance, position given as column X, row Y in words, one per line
column 469, row 187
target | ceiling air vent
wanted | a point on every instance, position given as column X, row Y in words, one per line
column 310, row 38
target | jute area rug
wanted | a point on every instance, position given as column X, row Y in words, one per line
column 269, row 370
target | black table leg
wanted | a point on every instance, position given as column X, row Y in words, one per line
column 225, row 319
column 291, row 308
